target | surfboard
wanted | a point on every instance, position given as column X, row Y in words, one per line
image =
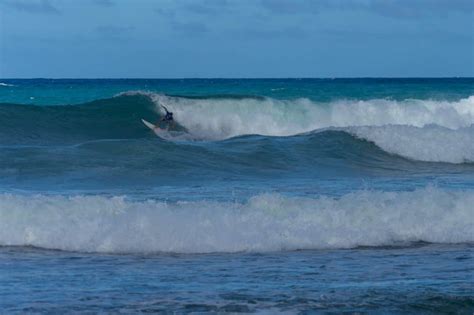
column 165, row 134
column 149, row 125
column 162, row 133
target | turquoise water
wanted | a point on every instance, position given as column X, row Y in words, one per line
column 75, row 91
column 270, row 195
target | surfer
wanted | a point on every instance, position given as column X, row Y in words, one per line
column 168, row 116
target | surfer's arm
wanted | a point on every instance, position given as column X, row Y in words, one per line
column 166, row 109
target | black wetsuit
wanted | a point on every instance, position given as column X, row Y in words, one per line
column 168, row 116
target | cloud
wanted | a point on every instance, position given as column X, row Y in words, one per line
column 190, row 28
column 113, row 29
column 289, row 7
column 205, row 7
column 32, row 6
column 360, row 36
column 166, row 13
column 104, row 3
column 418, row 8
column 389, row 8
column 264, row 34
column 113, row 32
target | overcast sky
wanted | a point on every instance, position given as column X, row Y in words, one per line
column 236, row 38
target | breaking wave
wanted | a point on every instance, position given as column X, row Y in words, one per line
column 268, row 222
column 224, row 118
column 430, row 143
column 425, row 130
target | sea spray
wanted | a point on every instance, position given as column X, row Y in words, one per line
column 430, row 143
column 267, row 222
column 425, row 130
column 220, row 118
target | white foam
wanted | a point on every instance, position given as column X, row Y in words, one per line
column 426, row 130
column 430, row 143
column 264, row 223
column 5, row 84
column 223, row 118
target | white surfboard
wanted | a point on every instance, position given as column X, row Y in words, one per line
column 162, row 133
column 149, row 125
column 167, row 134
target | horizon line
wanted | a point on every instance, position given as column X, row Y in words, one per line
column 229, row 78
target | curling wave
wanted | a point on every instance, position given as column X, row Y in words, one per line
column 268, row 222
column 218, row 119
column 430, row 143
column 425, row 130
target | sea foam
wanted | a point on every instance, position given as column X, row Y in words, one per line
column 217, row 119
column 268, row 222
column 430, row 143
column 425, row 130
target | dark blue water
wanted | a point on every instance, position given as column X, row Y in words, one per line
column 421, row 279
column 264, row 196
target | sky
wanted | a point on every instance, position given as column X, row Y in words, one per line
column 236, row 38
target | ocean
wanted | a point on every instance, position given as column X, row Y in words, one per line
column 268, row 196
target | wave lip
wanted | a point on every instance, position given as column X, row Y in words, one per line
column 425, row 130
column 268, row 222
column 217, row 119
column 430, row 143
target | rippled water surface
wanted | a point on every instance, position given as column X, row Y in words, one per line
column 346, row 195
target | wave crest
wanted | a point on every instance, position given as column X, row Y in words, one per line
column 430, row 143
column 265, row 223
column 426, row 130
column 217, row 119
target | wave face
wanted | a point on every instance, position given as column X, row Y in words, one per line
column 224, row 118
column 117, row 118
column 424, row 130
column 268, row 222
